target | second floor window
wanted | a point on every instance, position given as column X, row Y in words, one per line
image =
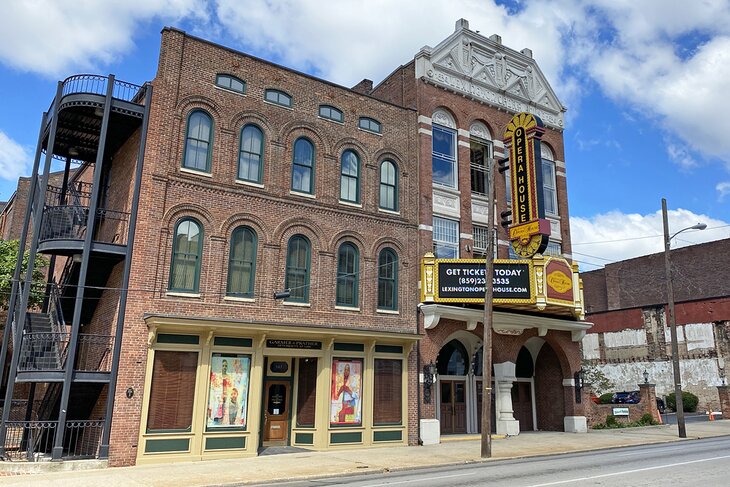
column 251, row 154
column 444, row 156
column 480, row 151
column 242, row 263
column 297, row 269
column 549, row 190
column 187, row 249
column 198, row 141
column 302, row 177
column 445, row 238
column 388, row 186
column 388, row 280
column 350, row 177
column 347, row 275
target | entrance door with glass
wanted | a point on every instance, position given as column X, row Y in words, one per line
column 277, row 402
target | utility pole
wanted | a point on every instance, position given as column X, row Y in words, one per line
column 488, row 309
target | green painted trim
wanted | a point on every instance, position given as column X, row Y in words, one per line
column 313, row 166
column 182, row 339
column 354, row 437
column 167, row 445
column 304, row 438
column 394, row 186
column 349, row 347
column 394, row 255
column 387, row 435
column 225, row 443
column 305, row 299
column 355, row 274
column 196, row 284
column 219, row 76
column 252, row 278
column 388, row 348
column 233, row 342
column 261, row 155
column 209, row 155
column 356, row 178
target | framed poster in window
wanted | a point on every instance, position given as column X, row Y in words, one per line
column 346, row 398
column 228, row 391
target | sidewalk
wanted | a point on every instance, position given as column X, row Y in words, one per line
column 306, row 465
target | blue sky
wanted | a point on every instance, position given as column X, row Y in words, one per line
column 645, row 84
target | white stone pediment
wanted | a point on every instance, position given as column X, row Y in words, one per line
column 469, row 63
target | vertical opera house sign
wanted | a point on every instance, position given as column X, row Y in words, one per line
column 530, row 231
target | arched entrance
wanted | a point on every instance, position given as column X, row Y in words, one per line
column 549, row 393
column 452, row 365
column 523, row 391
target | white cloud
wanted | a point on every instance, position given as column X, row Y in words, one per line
column 723, row 189
column 14, row 159
column 615, row 236
column 52, row 36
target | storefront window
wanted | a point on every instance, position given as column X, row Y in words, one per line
column 172, row 391
column 388, row 392
column 346, row 399
column 307, row 392
column 228, row 391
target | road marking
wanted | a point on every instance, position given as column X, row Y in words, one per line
column 421, row 480
column 581, row 479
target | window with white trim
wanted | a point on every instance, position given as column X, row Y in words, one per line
column 549, row 187
column 443, row 156
column 445, row 238
column 481, row 235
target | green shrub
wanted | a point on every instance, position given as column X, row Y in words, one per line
column 689, row 402
column 606, row 398
column 611, row 421
column 599, row 426
column 646, row 420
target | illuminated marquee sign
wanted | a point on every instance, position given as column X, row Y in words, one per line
column 462, row 281
column 530, row 231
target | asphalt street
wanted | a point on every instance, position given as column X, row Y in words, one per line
column 704, row 462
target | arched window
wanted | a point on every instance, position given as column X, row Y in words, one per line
column 297, row 269
column 198, row 141
column 347, row 275
column 230, row 82
column 549, row 190
column 187, row 250
column 388, row 280
column 242, row 263
column 302, row 175
column 251, row 154
column 350, row 177
column 453, row 359
column 480, row 150
column 388, row 186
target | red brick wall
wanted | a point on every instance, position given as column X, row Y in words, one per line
column 185, row 80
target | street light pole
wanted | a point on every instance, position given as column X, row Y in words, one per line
column 682, row 430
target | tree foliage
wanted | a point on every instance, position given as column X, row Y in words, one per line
column 8, row 258
column 596, row 378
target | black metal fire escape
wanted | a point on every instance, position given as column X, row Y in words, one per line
column 55, row 371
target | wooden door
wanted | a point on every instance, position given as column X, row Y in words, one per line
column 453, row 407
column 276, row 412
column 522, row 404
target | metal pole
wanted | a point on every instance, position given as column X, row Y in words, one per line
column 673, row 327
column 486, row 449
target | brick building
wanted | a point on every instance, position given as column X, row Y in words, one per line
column 241, row 267
column 627, row 302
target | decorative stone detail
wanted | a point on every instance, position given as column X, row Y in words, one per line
column 508, row 331
column 480, row 130
column 446, row 204
column 440, row 117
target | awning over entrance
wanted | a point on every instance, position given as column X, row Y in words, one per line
column 503, row 323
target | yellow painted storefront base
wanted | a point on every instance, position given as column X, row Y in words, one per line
column 266, row 345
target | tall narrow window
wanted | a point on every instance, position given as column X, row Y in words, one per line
column 347, row 275
column 480, row 151
column 388, row 394
column 172, row 391
column 350, row 177
column 549, row 192
column 481, row 240
column 306, row 392
column 297, row 269
column 242, row 263
column 302, row 177
column 444, row 156
column 388, row 186
column 187, row 249
column 445, row 238
column 251, row 154
column 388, row 280
column 198, row 141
